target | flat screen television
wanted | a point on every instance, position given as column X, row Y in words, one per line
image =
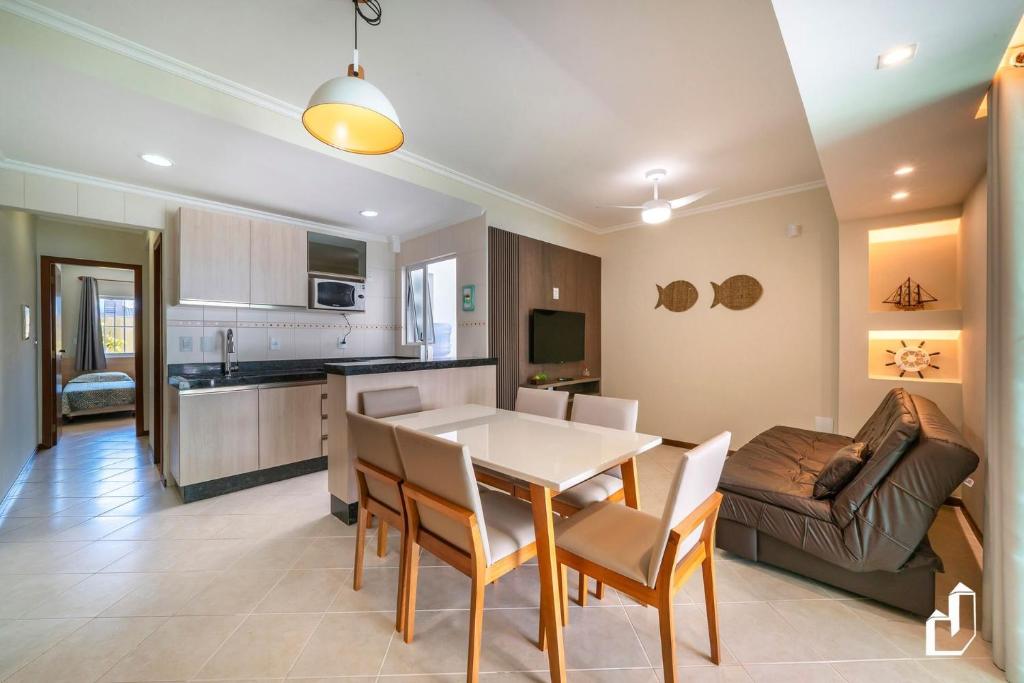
column 556, row 336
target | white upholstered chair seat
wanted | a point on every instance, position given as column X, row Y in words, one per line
column 591, row 491
column 509, row 523
column 611, row 535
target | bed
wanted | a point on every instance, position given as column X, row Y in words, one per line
column 98, row 392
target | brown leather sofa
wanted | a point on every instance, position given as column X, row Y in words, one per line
column 871, row 538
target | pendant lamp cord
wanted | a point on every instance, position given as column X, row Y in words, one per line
column 371, row 16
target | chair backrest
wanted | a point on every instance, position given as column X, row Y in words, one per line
column 604, row 411
column 443, row 468
column 696, row 479
column 388, row 402
column 543, row 402
column 375, row 444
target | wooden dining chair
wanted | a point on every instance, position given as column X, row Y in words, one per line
column 650, row 558
column 603, row 411
column 539, row 402
column 483, row 534
column 379, row 474
column 381, row 403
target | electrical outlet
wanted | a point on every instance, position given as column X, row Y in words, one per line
column 824, row 424
column 969, row 483
column 342, row 343
column 185, row 344
column 275, row 344
column 554, row 293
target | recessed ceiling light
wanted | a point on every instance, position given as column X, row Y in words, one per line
column 896, row 56
column 156, row 160
column 369, row 213
column 903, row 170
column 900, row 195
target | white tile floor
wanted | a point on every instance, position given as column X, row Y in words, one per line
column 106, row 576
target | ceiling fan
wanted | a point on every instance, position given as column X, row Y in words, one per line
column 659, row 210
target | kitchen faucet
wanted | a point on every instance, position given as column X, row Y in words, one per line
column 229, row 348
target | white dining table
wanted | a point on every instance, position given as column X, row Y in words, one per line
column 552, row 456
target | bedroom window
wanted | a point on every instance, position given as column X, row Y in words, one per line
column 118, row 324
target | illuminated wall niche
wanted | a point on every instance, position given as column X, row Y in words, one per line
column 926, row 252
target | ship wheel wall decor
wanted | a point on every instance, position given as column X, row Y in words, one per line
column 909, row 296
column 912, row 359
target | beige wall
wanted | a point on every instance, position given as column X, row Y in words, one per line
column 18, row 397
column 467, row 241
column 974, row 298
column 705, row 370
column 858, row 394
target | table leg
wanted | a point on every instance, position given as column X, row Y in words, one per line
column 550, row 600
column 630, row 484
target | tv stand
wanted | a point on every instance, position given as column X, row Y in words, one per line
column 573, row 385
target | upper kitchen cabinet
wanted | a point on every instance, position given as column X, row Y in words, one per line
column 213, row 257
column 278, row 264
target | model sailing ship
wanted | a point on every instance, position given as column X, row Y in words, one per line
column 910, row 296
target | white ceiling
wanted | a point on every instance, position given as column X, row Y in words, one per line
column 565, row 103
column 866, row 122
column 62, row 119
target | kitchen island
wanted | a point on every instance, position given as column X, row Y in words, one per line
column 442, row 383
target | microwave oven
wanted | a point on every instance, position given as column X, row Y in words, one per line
column 335, row 294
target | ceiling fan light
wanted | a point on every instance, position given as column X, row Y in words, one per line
column 355, row 116
column 656, row 211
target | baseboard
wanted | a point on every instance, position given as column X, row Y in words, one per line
column 677, row 444
column 217, row 487
column 952, row 501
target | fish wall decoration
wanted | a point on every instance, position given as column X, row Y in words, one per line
column 677, row 296
column 737, row 293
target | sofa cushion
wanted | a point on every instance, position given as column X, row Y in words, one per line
column 780, row 466
column 838, row 472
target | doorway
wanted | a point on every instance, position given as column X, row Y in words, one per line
column 122, row 330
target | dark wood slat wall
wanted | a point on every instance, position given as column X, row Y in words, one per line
column 503, row 287
column 523, row 273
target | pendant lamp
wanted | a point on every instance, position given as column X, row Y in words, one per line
column 348, row 112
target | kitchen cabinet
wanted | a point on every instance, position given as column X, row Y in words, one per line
column 213, row 257
column 289, row 420
column 218, row 434
column 278, row 264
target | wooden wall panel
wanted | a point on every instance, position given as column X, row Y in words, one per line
column 503, row 312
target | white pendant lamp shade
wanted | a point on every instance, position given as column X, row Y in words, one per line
column 352, row 115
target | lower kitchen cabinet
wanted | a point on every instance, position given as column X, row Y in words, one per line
column 218, row 435
column 289, row 424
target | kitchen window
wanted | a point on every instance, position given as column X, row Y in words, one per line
column 431, row 301
column 117, row 320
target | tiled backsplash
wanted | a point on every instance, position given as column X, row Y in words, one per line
column 196, row 334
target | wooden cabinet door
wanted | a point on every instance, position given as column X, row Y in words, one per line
column 213, row 256
column 218, row 435
column 279, row 274
column 289, row 424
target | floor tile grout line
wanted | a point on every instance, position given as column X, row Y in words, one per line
column 305, row 644
column 384, row 659
column 636, row 635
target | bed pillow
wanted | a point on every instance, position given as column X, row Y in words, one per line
column 840, row 469
column 103, row 377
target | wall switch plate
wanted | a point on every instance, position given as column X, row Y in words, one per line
column 824, row 424
column 554, row 293
column 275, row 344
column 185, row 344
column 207, row 344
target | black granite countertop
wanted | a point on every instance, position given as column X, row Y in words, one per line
column 194, row 376
column 380, row 365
